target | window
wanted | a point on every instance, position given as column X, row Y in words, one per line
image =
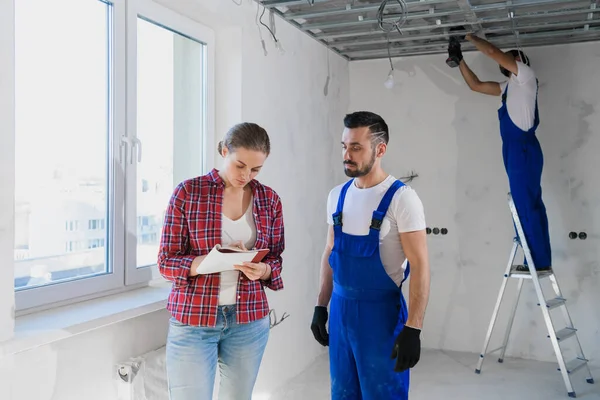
column 94, row 243
column 70, row 226
column 63, row 114
column 171, row 107
column 112, row 111
column 96, row 224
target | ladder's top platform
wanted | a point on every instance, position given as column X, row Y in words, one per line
column 516, row 273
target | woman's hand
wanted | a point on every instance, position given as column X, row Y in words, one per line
column 254, row 271
column 239, row 244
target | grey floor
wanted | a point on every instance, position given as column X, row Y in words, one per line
column 450, row 375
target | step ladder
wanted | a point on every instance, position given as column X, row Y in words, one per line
column 558, row 302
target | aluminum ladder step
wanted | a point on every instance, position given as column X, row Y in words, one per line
column 556, row 302
column 527, row 275
column 565, row 333
column 574, row 365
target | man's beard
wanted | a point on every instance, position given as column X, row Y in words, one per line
column 356, row 173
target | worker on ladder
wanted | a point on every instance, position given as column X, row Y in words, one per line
column 521, row 150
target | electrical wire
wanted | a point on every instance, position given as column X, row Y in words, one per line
column 515, row 31
column 271, row 31
column 263, row 24
column 389, row 53
column 262, row 41
column 389, row 27
column 396, row 24
column 272, row 22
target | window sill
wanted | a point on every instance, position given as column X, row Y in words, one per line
column 45, row 327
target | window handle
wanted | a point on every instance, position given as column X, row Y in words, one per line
column 125, row 142
column 137, row 147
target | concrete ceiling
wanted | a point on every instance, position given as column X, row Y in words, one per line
column 352, row 29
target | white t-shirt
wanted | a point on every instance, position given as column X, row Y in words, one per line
column 405, row 214
column 522, row 92
column 243, row 229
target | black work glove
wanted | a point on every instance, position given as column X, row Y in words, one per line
column 407, row 349
column 454, row 49
column 318, row 325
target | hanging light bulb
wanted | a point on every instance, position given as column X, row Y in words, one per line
column 389, row 82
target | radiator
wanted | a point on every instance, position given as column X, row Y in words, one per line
column 143, row 377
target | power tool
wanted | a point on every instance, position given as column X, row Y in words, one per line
column 454, row 50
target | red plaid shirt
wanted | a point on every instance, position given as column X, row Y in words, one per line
column 192, row 228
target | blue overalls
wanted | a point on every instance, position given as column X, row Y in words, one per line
column 523, row 160
column 367, row 312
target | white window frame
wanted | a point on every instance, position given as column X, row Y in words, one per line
column 122, row 240
column 7, row 163
column 169, row 19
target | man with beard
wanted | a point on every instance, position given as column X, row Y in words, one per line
column 376, row 236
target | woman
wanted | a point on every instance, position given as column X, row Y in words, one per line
column 224, row 317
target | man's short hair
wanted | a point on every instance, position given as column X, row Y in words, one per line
column 374, row 122
column 521, row 55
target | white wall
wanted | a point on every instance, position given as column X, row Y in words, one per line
column 285, row 95
column 449, row 136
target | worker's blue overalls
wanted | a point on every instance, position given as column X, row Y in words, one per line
column 523, row 160
column 367, row 312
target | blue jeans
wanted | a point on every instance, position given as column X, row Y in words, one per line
column 193, row 352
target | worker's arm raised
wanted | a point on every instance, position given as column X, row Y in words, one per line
column 490, row 88
column 507, row 61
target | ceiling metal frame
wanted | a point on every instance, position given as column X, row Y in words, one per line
column 351, row 29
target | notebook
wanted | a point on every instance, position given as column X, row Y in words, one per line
column 223, row 258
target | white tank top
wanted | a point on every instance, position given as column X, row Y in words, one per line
column 243, row 229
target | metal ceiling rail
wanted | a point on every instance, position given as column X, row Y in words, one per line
column 548, row 14
column 416, row 3
column 312, row 35
column 351, row 30
column 370, row 21
column 342, row 45
column 444, row 35
column 507, row 40
column 287, row 3
column 592, row 36
column 326, row 35
column 467, row 8
column 436, row 14
column 591, row 14
column 477, row 22
column 528, row 39
column 351, row 43
column 535, row 16
column 361, row 9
